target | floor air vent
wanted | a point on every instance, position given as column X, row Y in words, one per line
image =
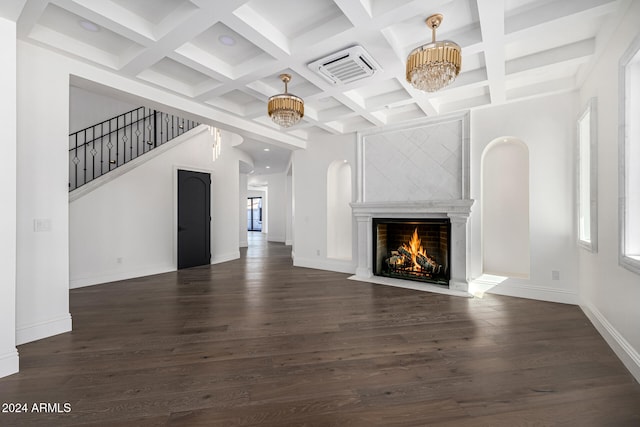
column 346, row 66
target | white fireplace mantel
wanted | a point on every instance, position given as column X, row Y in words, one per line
column 456, row 210
column 413, row 209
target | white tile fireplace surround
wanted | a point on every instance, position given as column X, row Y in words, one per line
column 415, row 172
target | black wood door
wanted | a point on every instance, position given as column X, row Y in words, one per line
column 194, row 219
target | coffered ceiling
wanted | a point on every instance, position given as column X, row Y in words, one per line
column 227, row 55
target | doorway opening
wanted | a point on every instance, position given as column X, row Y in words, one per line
column 254, row 214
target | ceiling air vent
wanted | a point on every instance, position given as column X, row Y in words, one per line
column 346, row 66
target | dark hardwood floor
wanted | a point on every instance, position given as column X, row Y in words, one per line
column 257, row 342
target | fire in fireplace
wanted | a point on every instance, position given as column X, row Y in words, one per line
column 412, row 249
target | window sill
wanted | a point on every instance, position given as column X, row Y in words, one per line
column 631, row 263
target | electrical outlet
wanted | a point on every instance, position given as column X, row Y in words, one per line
column 555, row 275
column 119, row 260
column 41, row 225
column 318, row 252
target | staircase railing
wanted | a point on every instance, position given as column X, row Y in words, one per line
column 103, row 147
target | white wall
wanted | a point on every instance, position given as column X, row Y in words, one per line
column 610, row 294
column 89, row 108
column 8, row 353
column 42, row 306
column 276, row 206
column 242, row 210
column 547, row 126
column 127, row 227
column 288, row 238
column 339, row 216
column 225, row 191
column 310, row 200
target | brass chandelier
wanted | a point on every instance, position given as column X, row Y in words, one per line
column 285, row 109
column 434, row 65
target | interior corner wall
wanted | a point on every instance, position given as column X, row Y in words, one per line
column 288, row 238
column 225, row 192
column 276, row 206
column 547, row 126
column 42, row 294
column 610, row 293
column 242, row 211
column 8, row 353
column 310, row 195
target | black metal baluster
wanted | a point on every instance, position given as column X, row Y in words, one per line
column 117, row 141
column 101, row 148
column 93, row 158
column 75, row 160
column 130, row 126
column 160, row 124
column 137, row 132
column 155, row 128
column 110, row 145
column 84, row 155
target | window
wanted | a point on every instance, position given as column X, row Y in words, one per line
column 629, row 140
column 587, row 178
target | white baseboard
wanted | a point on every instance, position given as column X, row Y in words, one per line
column 540, row 293
column 288, row 242
column 244, row 244
column 230, row 256
column 275, row 238
column 45, row 329
column 339, row 266
column 627, row 354
column 81, row 282
column 9, row 363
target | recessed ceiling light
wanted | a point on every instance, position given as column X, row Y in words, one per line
column 227, row 40
column 268, row 167
column 266, row 149
column 89, row 26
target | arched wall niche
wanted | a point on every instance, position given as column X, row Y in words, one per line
column 339, row 184
column 505, row 208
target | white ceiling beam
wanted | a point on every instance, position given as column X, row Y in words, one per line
column 579, row 50
column 491, row 14
column 551, row 11
column 357, row 12
column 541, row 89
column 172, row 40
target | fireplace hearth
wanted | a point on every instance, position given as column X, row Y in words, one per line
column 412, row 249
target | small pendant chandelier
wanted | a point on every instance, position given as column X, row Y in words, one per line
column 285, row 109
column 434, row 65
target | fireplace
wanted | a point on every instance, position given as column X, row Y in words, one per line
column 417, row 174
column 412, row 249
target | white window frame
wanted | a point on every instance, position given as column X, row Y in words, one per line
column 629, row 158
column 587, row 189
